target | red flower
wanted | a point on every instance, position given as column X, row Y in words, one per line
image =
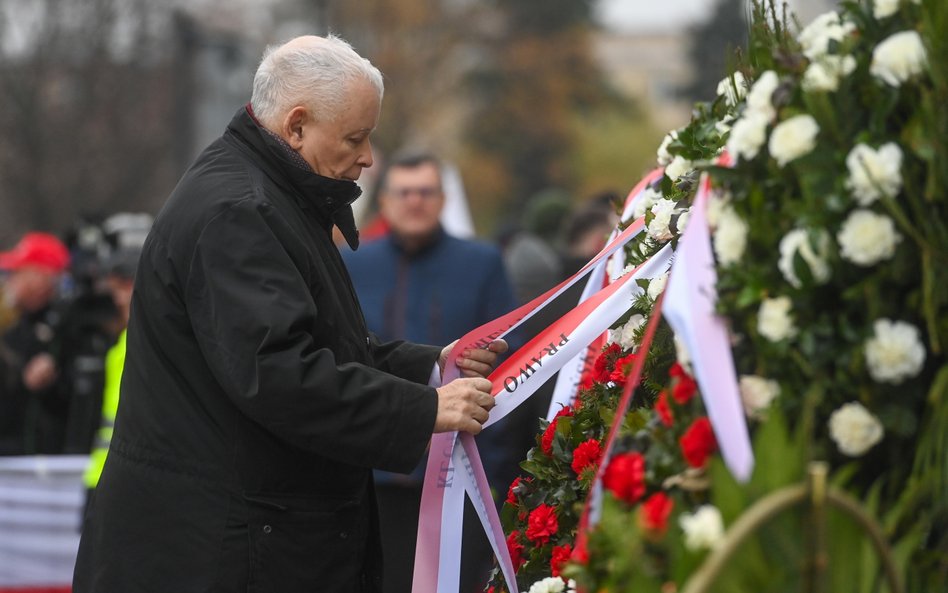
column 581, row 554
column 560, row 557
column 625, row 477
column 602, row 367
column 511, row 495
column 698, row 443
column 654, row 512
column 585, row 455
column 676, row 370
column 622, row 369
column 664, row 412
column 542, row 524
column 684, row 389
column 516, row 549
column 546, row 442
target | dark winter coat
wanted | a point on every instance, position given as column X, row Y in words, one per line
column 254, row 401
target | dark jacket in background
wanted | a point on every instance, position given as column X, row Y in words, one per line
column 254, row 401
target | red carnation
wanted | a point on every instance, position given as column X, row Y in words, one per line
column 560, row 556
column 625, row 477
column 676, row 370
column 585, row 455
column 516, row 549
column 542, row 524
column 654, row 512
column 622, row 369
column 697, row 444
column 511, row 495
column 546, row 442
column 664, row 412
column 602, row 367
column 684, row 389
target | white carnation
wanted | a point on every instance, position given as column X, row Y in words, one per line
column 723, row 126
column 825, row 73
column 884, row 8
column 678, row 167
column 854, row 429
column 760, row 97
column 665, row 157
column 757, row 393
column 625, row 335
column 748, row 134
column 798, row 241
column 703, row 529
column 793, row 138
column 656, row 286
column 734, row 89
column 730, row 236
column 662, row 212
column 867, row 238
column 682, row 221
column 895, row 352
column 816, row 37
column 898, row 58
column 645, row 202
column 774, row 321
column 548, row 585
column 874, row 173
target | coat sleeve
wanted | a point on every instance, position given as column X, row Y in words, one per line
column 253, row 316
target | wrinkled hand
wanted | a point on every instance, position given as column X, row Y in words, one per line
column 463, row 404
column 40, row 372
column 474, row 362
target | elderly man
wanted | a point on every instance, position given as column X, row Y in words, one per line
column 254, row 402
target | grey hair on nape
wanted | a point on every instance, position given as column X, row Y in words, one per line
column 316, row 75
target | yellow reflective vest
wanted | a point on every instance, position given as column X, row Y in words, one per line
column 114, row 362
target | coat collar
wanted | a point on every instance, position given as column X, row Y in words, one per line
column 331, row 199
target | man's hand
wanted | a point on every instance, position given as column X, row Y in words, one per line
column 474, row 362
column 463, row 404
column 40, row 372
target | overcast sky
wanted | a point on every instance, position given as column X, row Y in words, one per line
column 631, row 15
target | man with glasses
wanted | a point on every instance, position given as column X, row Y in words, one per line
column 419, row 283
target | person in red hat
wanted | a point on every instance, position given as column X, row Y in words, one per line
column 32, row 409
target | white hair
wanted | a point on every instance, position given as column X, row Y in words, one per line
column 316, row 75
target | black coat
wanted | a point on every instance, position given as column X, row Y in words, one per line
column 254, row 401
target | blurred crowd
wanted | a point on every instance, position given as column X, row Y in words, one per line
column 63, row 304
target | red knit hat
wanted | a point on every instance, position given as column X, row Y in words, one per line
column 41, row 250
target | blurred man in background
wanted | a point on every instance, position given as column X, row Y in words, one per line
column 419, row 283
column 33, row 407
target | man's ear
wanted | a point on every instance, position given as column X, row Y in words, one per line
column 292, row 129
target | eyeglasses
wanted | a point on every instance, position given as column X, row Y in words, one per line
column 425, row 193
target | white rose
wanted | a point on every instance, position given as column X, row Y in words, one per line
column 734, row 89
column 723, row 126
column 757, row 393
column 884, row 8
column 682, row 221
column 548, row 585
column 760, row 97
column 798, row 241
column 874, row 173
column 730, row 236
column 703, row 529
column 816, row 37
column 793, row 138
column 720, row 200
column 664, row 157
column 774, row 321
column 662, row 212
column 895, row 352
column 656, row 286
column 645, row 202
column 899, row 58
column 748, row 134
column 867, row 238
column 678, row 167
column 854, row 429
column 825, row 73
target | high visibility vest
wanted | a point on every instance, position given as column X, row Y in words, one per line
column 114, row 363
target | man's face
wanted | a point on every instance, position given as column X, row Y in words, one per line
column 411, row 200
column 32, row 288
column 340, row 148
